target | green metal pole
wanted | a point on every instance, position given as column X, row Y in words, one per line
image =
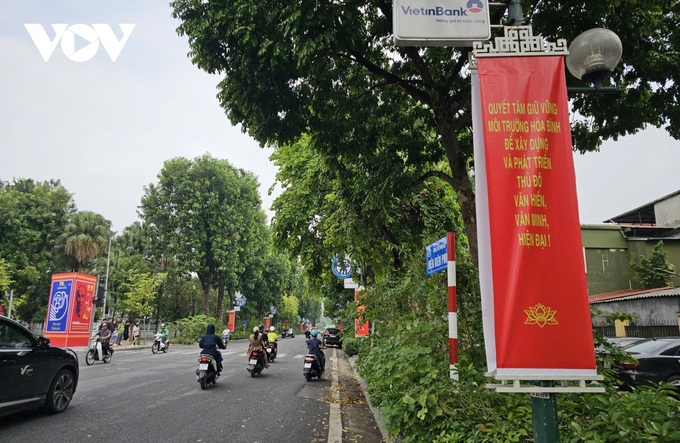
column 544, row 416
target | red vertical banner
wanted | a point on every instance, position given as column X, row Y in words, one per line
column 540, row 314
column 360, row 327
column 231, row 320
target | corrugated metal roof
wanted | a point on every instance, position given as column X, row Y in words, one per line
column 668, row 291
column 642, row 215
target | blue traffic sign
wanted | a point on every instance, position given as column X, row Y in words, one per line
column 241, row 301
column 436, row 257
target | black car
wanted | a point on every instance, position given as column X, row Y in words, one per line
column 656, row 360
column 331, row 337
column 34, row 374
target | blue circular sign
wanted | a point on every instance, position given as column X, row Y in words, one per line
column 241, row 301
column 341, row 269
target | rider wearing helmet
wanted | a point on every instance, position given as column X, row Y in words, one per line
column 165, row 333
column 272, row 338
column 315, row 347
column 257, row 344
column 263, row 332
column 209, row 344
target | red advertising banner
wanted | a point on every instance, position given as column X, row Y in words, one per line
column 70, row 310
column 536, row 278
column 361, row 329
column 231, row 321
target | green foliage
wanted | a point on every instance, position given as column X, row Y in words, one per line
column 191, row 329
column 5, row 276
column 85, row 238
column 655, row 271
column 350, row 345
column 32, row 215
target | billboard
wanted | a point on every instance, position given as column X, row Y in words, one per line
column 70, row 310
column 440, row 22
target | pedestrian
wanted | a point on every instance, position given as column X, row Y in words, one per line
column 114, row 336
column 135, row 334
column 126, row 332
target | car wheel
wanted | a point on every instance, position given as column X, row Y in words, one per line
column 674, row 380
column 61, row 392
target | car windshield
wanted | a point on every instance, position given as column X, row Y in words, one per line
column 646, row 347
column 332, row 331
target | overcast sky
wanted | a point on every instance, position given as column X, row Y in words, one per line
column 104, row 128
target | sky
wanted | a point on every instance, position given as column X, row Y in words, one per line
column 105, row 127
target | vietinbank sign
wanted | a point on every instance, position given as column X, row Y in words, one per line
column 440, row 22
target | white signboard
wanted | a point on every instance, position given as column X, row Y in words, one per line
column 440, row 22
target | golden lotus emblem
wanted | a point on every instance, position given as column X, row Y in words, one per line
column 540, row 315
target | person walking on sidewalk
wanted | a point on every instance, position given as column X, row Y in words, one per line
column 126, row 332
column 135, row 334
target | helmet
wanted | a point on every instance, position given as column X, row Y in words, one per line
column 272, row 328
column 261, row 327
column 256, row 329
column 162, row 325
column 315, row 332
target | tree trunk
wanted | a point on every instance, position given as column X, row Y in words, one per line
column 220, row 299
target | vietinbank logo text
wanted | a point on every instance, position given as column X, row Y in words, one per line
column 440, row 22
column 88, row 37
column 474, row 6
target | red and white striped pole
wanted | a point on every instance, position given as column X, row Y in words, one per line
column 453, row 309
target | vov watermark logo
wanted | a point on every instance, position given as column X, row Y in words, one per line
column 67, row 35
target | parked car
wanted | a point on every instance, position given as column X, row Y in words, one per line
column 331, row 337
column 656, row 360
column 622, row 342
column 34, row 374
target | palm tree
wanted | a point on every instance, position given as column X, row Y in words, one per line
column 85, row 238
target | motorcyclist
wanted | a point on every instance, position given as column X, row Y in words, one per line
column 225, row 336
column 263, row 332
column 209, row 343
column 273, row 337
column 104, row 336
column 315, row 347
column 165, row 333
column 257, row 344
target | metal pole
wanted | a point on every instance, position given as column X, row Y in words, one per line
column 11, row 297
column 515, row 14
column 544, row 416
column 106, row 281
column 453, row 308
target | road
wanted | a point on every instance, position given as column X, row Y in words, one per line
column 143, row 397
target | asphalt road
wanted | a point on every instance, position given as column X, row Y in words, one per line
column 143, row 397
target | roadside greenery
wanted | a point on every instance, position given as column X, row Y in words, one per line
column 405, row 365
column 654, row 271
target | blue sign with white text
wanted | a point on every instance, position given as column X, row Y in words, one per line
column 436, row 257
column 60, row 300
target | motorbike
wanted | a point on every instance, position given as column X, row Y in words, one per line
column 272, row 349
column 288, row 333
column 312, row 367
column 95, row 353
column 225, row 339
column 158, row 344
column 255, row 363
column 206, row 373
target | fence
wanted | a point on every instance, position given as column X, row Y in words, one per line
column 640, row 329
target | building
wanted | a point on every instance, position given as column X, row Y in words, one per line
column 609, row 248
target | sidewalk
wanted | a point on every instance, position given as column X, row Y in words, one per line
column 360, row 421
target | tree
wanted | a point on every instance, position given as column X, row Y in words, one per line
column 85, row 238
column 32, row 215
column 654, row 271
column 5, row 276
column 207, row 215
column 331, row 70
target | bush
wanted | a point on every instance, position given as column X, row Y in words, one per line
column 350, row 345
column 191, row 329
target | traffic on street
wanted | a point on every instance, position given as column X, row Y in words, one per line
column 155, row 397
